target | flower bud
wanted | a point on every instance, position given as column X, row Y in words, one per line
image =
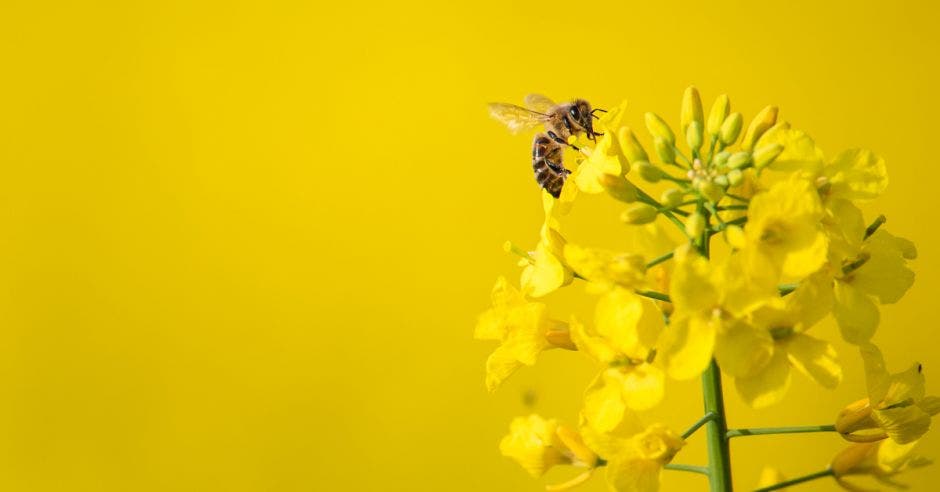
column 618, row 187
column 695, row 225
column 691, row 109
column 658, row 128
column 639, row 213
column 693, row 136
column 721, row 158
column 853, row 459
column 561, row 338
column 665, row 150
column 718, row 114
column 766, row 154
column 856, row 423
column 671, row 197
column 760, row 124
column 735, row 177
column 731, row 128
column 721, row 180
column 631, row 146
column 649, row 172
column 739, row 160
column 711, row 191
column 575, row 443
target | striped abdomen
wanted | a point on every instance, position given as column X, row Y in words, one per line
column 550, row 173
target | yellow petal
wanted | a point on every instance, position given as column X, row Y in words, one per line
column 604, row 407
column 903, row 424
column 800, row 153
column 546, row 275
column 643, row 386
column 632, row 323
column 857, row 315
column 629, row 474
column 885, row 274
column 767, row 386
column 686, row 346
column 590, row 343
column 770, row 476
column 692, row 288
column 605, row 159
column 857, row 174
column 742, row 349
column 533, row 443
column 814, row 358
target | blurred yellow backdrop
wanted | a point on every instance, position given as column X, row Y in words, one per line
column 245, row 243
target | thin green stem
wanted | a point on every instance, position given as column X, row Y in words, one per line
column 660, row 259
column 805, row 478
column 738, row 198
column 719, row 453
column 764, row 431
column 688, row 468
column 652, row 294
column 708, row 417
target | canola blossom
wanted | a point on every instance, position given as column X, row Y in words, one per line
column 743, row 237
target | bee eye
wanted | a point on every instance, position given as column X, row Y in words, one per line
column 574, row 112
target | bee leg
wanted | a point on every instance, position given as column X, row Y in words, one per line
column 558, row 139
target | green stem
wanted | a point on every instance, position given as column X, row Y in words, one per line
column 660, row 259
column 689, row 468
column 805, row 478
column 764, row 431
column 708, row 417
column 652, row 294
column 644, row 197
column 786, row 289
column 719, row 454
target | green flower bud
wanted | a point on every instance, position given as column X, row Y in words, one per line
column 665, row 150
column 658, row 128
column 721, row 158
column 739, row 160
column 691, row 109
column 711, row 191
column 649, row 172
column 631, row 146
column 693, row 135
column 695, row 225
column 721, row 180
column 766, row 154
column 639, row 213
column 731, row 128
column 671, row 197
column 760, row 124
column 735, row 177
column 719, row 112
column 619, row 188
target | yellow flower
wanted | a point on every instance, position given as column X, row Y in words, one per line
column 759, row 354
column 547, row 271
column 900, row 411
column 604, row 268
column 706, row 297
column 855, row 174
column 626, row 328
column 876, row 270
column 635, row 454
column 521, row 327
column 605, row 159
column 538, row 444
column 881, row 460
column 784, row 234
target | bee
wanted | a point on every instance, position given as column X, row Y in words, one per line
column 560, row 122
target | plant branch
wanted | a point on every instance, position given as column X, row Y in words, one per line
column 708, row 417
column 687, row 468
column 805, row 478
column 764, row 431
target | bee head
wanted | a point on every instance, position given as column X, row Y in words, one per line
column 580, row 114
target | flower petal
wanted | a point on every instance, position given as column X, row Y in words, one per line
column 857, row 315
column 814, row 358
column 686, row 346
column 767, row 386
column 743, row 349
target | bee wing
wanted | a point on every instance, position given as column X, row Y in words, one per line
column 515, row 117
column 539, row 103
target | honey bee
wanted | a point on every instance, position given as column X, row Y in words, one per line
column 560, row 121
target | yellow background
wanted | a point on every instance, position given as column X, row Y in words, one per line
column 244, row 244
